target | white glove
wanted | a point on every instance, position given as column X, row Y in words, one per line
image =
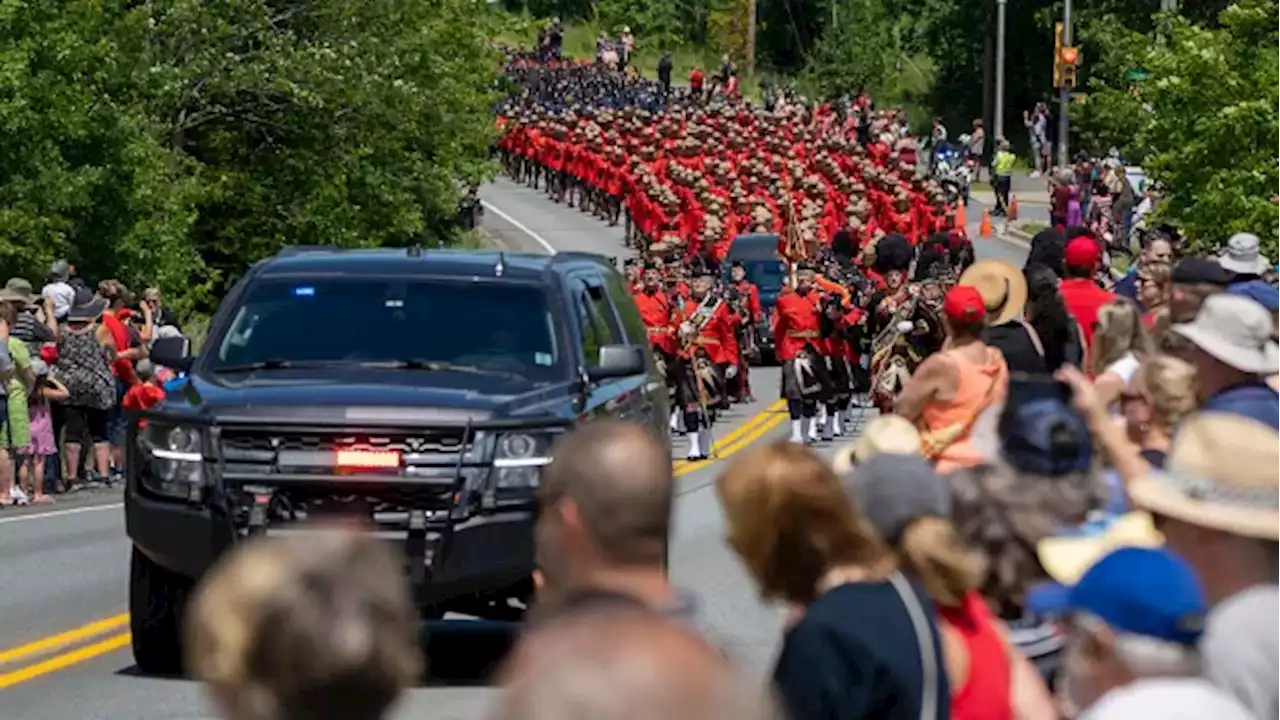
column 731, row 372
column 905, row 326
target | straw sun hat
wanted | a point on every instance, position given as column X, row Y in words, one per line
column 1002, row 287
column 885, row 434
column 1220, row 474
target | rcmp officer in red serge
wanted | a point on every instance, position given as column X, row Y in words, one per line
column 749, row 309
column 706, row 339
column 797, row 335
column 660, row 321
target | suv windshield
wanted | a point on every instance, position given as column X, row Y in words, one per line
column 765, row 274
column 504, row 328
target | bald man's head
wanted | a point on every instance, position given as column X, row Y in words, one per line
column 618, row 475
column 621, row 664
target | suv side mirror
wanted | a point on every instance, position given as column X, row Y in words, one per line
column 616, row 361
column 173, row 353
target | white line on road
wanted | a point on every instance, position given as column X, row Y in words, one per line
column 520, row 226
column 60, row 513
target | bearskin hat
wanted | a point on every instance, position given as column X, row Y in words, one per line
column 893, row 252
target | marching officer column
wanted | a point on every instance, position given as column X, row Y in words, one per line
column 706, row 336
column 796, row 337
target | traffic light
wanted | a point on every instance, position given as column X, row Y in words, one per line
column 1066, row 58
column 1069, row 57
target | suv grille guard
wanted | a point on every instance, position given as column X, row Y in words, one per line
column 428, row 534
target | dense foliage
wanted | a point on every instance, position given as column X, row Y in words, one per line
column 176, row 141
column 1198, row 108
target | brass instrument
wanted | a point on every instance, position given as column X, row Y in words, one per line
column 704, row 371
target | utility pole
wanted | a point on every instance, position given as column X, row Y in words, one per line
column 999, row 104
column 751, row 38
column 1064, row 94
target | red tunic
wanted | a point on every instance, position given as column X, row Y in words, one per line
column 655, row 311
column 798, row 322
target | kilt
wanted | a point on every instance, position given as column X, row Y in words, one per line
column 813, row 385
column 840, row 372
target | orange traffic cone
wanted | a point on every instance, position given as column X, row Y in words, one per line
column 961, row 220
column 984, row 229
column 1013, row 208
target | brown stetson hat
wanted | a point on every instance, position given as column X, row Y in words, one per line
column 1002, row 286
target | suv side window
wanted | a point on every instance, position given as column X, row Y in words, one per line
column 599, row 326
column 625, row 306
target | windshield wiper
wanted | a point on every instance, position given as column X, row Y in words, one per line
column 406, row 364
column 268, row 364
column 439, row 366
column 283, row 364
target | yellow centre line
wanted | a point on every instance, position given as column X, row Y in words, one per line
column 75, row 635
column 740, row 437
column 58, row 662
column 732, row 436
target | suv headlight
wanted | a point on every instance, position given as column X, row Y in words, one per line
column 174, row 456
column 518, row 459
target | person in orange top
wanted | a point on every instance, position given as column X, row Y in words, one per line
column 952, row 387
column 797, row 333
column 1080, row 293
column 705, row 334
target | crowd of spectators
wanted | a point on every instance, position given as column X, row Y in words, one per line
column 73, row 364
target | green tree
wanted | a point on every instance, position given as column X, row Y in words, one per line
column 1203, row 121
column 81, row 172
column 852, row 53
column 346, row 122
column 178, row 141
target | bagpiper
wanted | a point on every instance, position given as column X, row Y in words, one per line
column 705, row 335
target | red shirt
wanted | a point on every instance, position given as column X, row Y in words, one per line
column 121, row 368
column 985, row 693
column 1083, row 299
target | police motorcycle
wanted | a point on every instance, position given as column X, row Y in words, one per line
column 952, row 173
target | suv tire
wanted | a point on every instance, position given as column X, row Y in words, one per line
column 157, row 604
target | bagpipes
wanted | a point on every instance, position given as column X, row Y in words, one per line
column 707, row 384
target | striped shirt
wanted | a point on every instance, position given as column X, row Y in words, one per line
column 30, row 329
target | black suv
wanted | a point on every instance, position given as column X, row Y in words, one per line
column 418, row 390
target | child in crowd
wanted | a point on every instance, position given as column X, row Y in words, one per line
column 147, row 393
column 32, row 458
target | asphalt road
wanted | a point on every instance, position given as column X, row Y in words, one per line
column 63, row 569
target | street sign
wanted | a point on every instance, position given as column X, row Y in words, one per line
column 1136, row 75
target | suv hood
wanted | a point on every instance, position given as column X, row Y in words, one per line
column 353, row 396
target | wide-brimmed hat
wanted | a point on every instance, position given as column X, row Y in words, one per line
column 87, row 311
column 1066, row 559
column 1220, row 474
column 18, row 290
column 1243, row 255
column 884, row 434
column 1002, row 286
column 1235, row 330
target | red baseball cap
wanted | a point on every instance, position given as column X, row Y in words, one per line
column 1082, row 252
column 963, row 303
